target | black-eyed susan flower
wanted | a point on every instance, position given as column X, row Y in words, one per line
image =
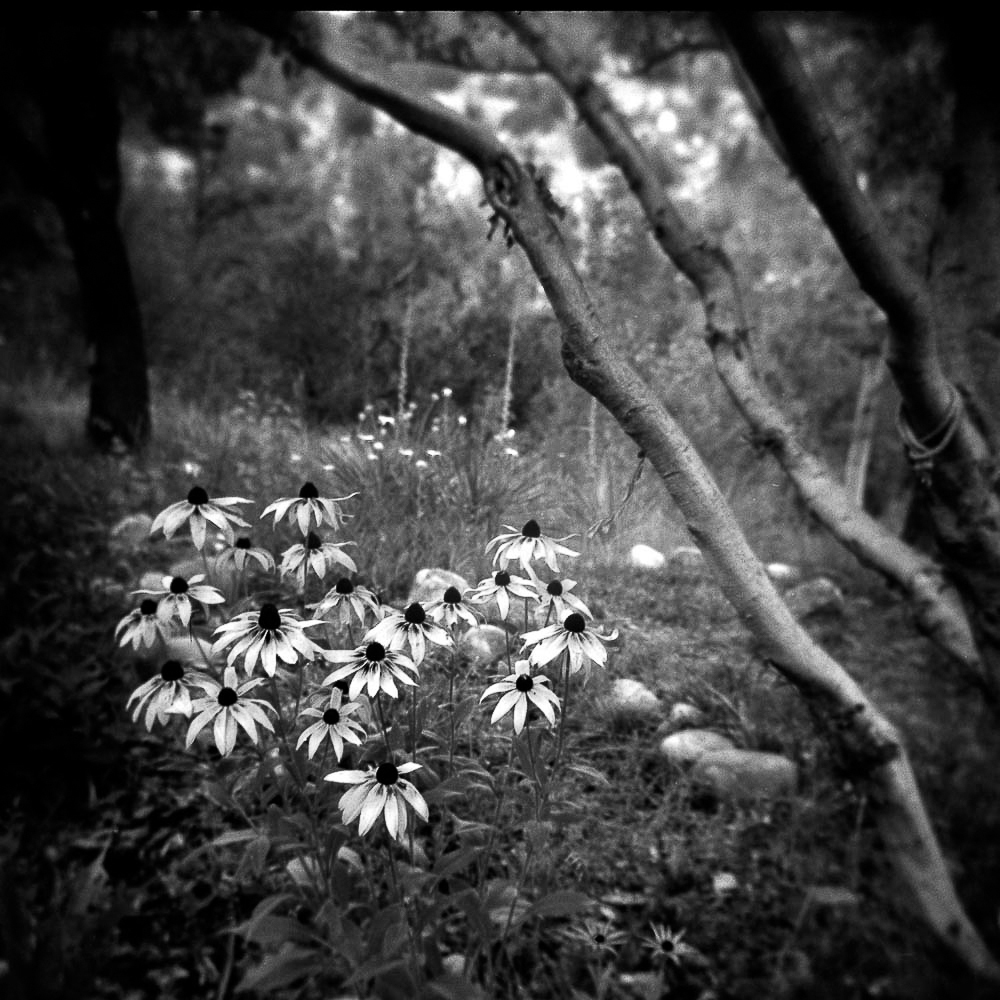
column 166, row 693
column 308, row 507
column 343, row 599
column 451, row 609
column 380, row 791
column 316, row 555
column 668, row 945
column 409, row 627
column 557, row 596
column 597, row 936
column 240, row 553
column 333, row 722
column 519, row 689
column 526, row 545
column 142, row 626
column 574, row 635
column 372, row 667
column 501, row 587
column 228, row 707
column 175, row 597
column 268, row 635
column 200, row 512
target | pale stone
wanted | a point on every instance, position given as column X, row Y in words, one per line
column 724, row 883
column 818, row 596
column 686, row 559
column 152, row 580
column 483, row 645
column 684, row 715
column 746, row 774
column 192, row 651
column 429, row 585
column 631, row 700
column 689, row 745
column 646, row 557
column 783, row 574
column 132, row 531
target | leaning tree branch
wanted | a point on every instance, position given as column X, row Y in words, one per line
column 593, row 362
column 936, row 605
column 793, row 107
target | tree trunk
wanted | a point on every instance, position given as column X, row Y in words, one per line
column 593, row 362
column 863, row 428
column 62, row 117
column 936, row 605
column 948, row 446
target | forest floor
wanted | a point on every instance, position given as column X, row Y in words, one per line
column 107, row 891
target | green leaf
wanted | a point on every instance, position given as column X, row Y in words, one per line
column 284, row 968
column 455, row 861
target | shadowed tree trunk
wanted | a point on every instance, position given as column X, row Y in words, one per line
column 863, row 427
column 593, row 361
column 946, row 438
column 61, row 119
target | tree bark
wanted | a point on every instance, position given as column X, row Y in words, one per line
column 956, row 466
column 863, row 428
column 593, row 362
column 935, row 604
column 62, row 117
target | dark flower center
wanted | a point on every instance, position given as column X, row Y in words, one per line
column 344, row 586
column 502, row 579
column 171, row 671
column 575, row 622
column 524, row 683
column 599, row 938
column 313, row 541
column 531, row 529
column 227, row 697
column 415, row 614
column 555, row 588
column 331, row 716
column 452, row 596
column 269, row 618
column 374, row 651
column 387, row 774
column 242, row 543
column 178, row 585
column 148, row 607
column 342, row 686
column 308, row 492
column 197, row 496
column 666, row 946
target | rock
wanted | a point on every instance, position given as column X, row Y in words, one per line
column 193, row 652
column 131, row 532
column 820, row 596
column 783, row 574
column 745, row 774
column 690, row 745
column 686, row 560
column 684, row 715
column 430, row 584
column 631, row 701
column 483, row 645
column 646, row 557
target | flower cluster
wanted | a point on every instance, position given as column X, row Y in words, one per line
column 236, row 692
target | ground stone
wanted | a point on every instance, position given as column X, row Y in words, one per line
column 684, row 715
column 820, row 596
column 631, row 701
column 430, row 584
column 746, row 774
column 483, row 645
column 689, row 745
column 646, row 557
column 783, row 574
column 686, row 560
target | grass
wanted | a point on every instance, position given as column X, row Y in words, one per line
column 111, row 885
